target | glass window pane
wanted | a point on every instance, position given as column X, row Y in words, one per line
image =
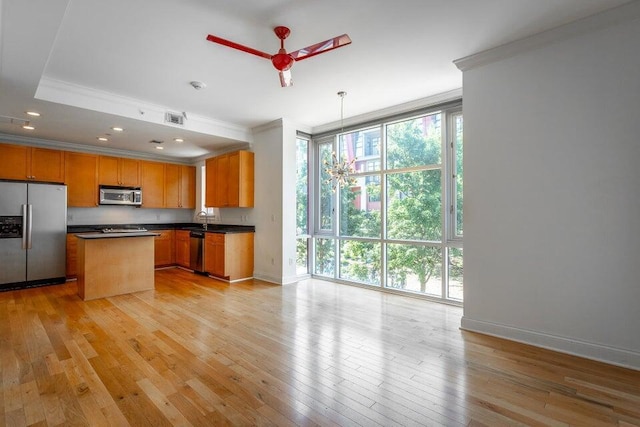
column 326, row 190
column 415, row 268
column 360, row 261
column 458, row 142
column 414, row 205
column 302, row 186
column 325, row 257
column 364, row 146
column 360, row 208
column 302, row 259
column 454, row 290
column 415, row 142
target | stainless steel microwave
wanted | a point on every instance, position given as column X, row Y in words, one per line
column 128, row 196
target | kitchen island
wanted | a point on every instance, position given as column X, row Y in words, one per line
column 114, row 264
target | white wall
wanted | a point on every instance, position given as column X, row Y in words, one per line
column 275, row 202
column 267, row 212
column 552, row 200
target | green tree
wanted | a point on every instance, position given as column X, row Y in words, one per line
column 414, row 200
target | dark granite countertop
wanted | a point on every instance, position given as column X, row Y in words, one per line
column 211, row 228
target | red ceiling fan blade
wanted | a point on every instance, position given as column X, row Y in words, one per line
column 238, row 46
column 285, row 78
column 321, row 47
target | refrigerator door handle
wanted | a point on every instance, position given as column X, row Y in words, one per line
column 29, row 224
column 25, row 227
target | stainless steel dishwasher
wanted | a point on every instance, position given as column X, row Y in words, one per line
column 196, row 251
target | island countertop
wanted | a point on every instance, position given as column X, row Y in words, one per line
column 211, row 228
column 115, row 235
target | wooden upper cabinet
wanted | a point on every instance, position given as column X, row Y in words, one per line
column 119, row 171
column 172, row 186
column 188, row 187
column 241, row 179
column 211, row 190
column 153, row 183
column 31, row 163
column 47, row 165
column 81, row 177
column 230, row 182
column 180, row 186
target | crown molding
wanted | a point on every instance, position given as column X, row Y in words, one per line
column 625, row 13
column 391, row 111
column 91, row 149
column 62, row 92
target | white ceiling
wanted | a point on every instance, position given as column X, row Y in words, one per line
column 88, row 65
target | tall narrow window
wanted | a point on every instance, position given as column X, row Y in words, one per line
column 302, row 206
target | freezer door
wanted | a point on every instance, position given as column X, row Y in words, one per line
column 47, row 257
column 13, row 259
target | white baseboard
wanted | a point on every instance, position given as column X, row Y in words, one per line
column 267, row 278
column 601, row 353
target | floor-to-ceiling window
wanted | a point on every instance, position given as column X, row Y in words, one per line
column 397, row 222
column 303, row 237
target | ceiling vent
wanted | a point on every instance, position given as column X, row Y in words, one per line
column 13, row 121
column 155, row 141
column 174, row 118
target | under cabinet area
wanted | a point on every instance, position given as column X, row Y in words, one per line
column 229, row 256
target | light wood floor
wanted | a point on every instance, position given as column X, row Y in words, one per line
column 202, row 352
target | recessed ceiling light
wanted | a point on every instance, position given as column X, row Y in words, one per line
column 159, row 148
column 33, row 113
column 117, row 129
column 28, row 127
column 102, row 138
column 178, row 139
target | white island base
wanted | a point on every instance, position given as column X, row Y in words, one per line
column 110, row 264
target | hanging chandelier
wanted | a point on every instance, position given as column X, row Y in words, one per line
column 340, row 170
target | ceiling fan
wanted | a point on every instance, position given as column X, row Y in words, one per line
column 282, row 60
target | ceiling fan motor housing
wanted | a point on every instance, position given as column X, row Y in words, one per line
column 282, row 60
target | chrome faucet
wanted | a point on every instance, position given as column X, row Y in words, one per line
column 202, row 215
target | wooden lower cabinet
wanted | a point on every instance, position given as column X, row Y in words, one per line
column 164, row 248
column 183, row 253
column 72, row 257
column 229, row 256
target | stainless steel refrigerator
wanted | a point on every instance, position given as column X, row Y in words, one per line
column 33, row 234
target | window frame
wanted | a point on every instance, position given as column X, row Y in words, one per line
column 448, row 112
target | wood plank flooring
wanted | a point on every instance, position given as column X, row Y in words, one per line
column 201, row 352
